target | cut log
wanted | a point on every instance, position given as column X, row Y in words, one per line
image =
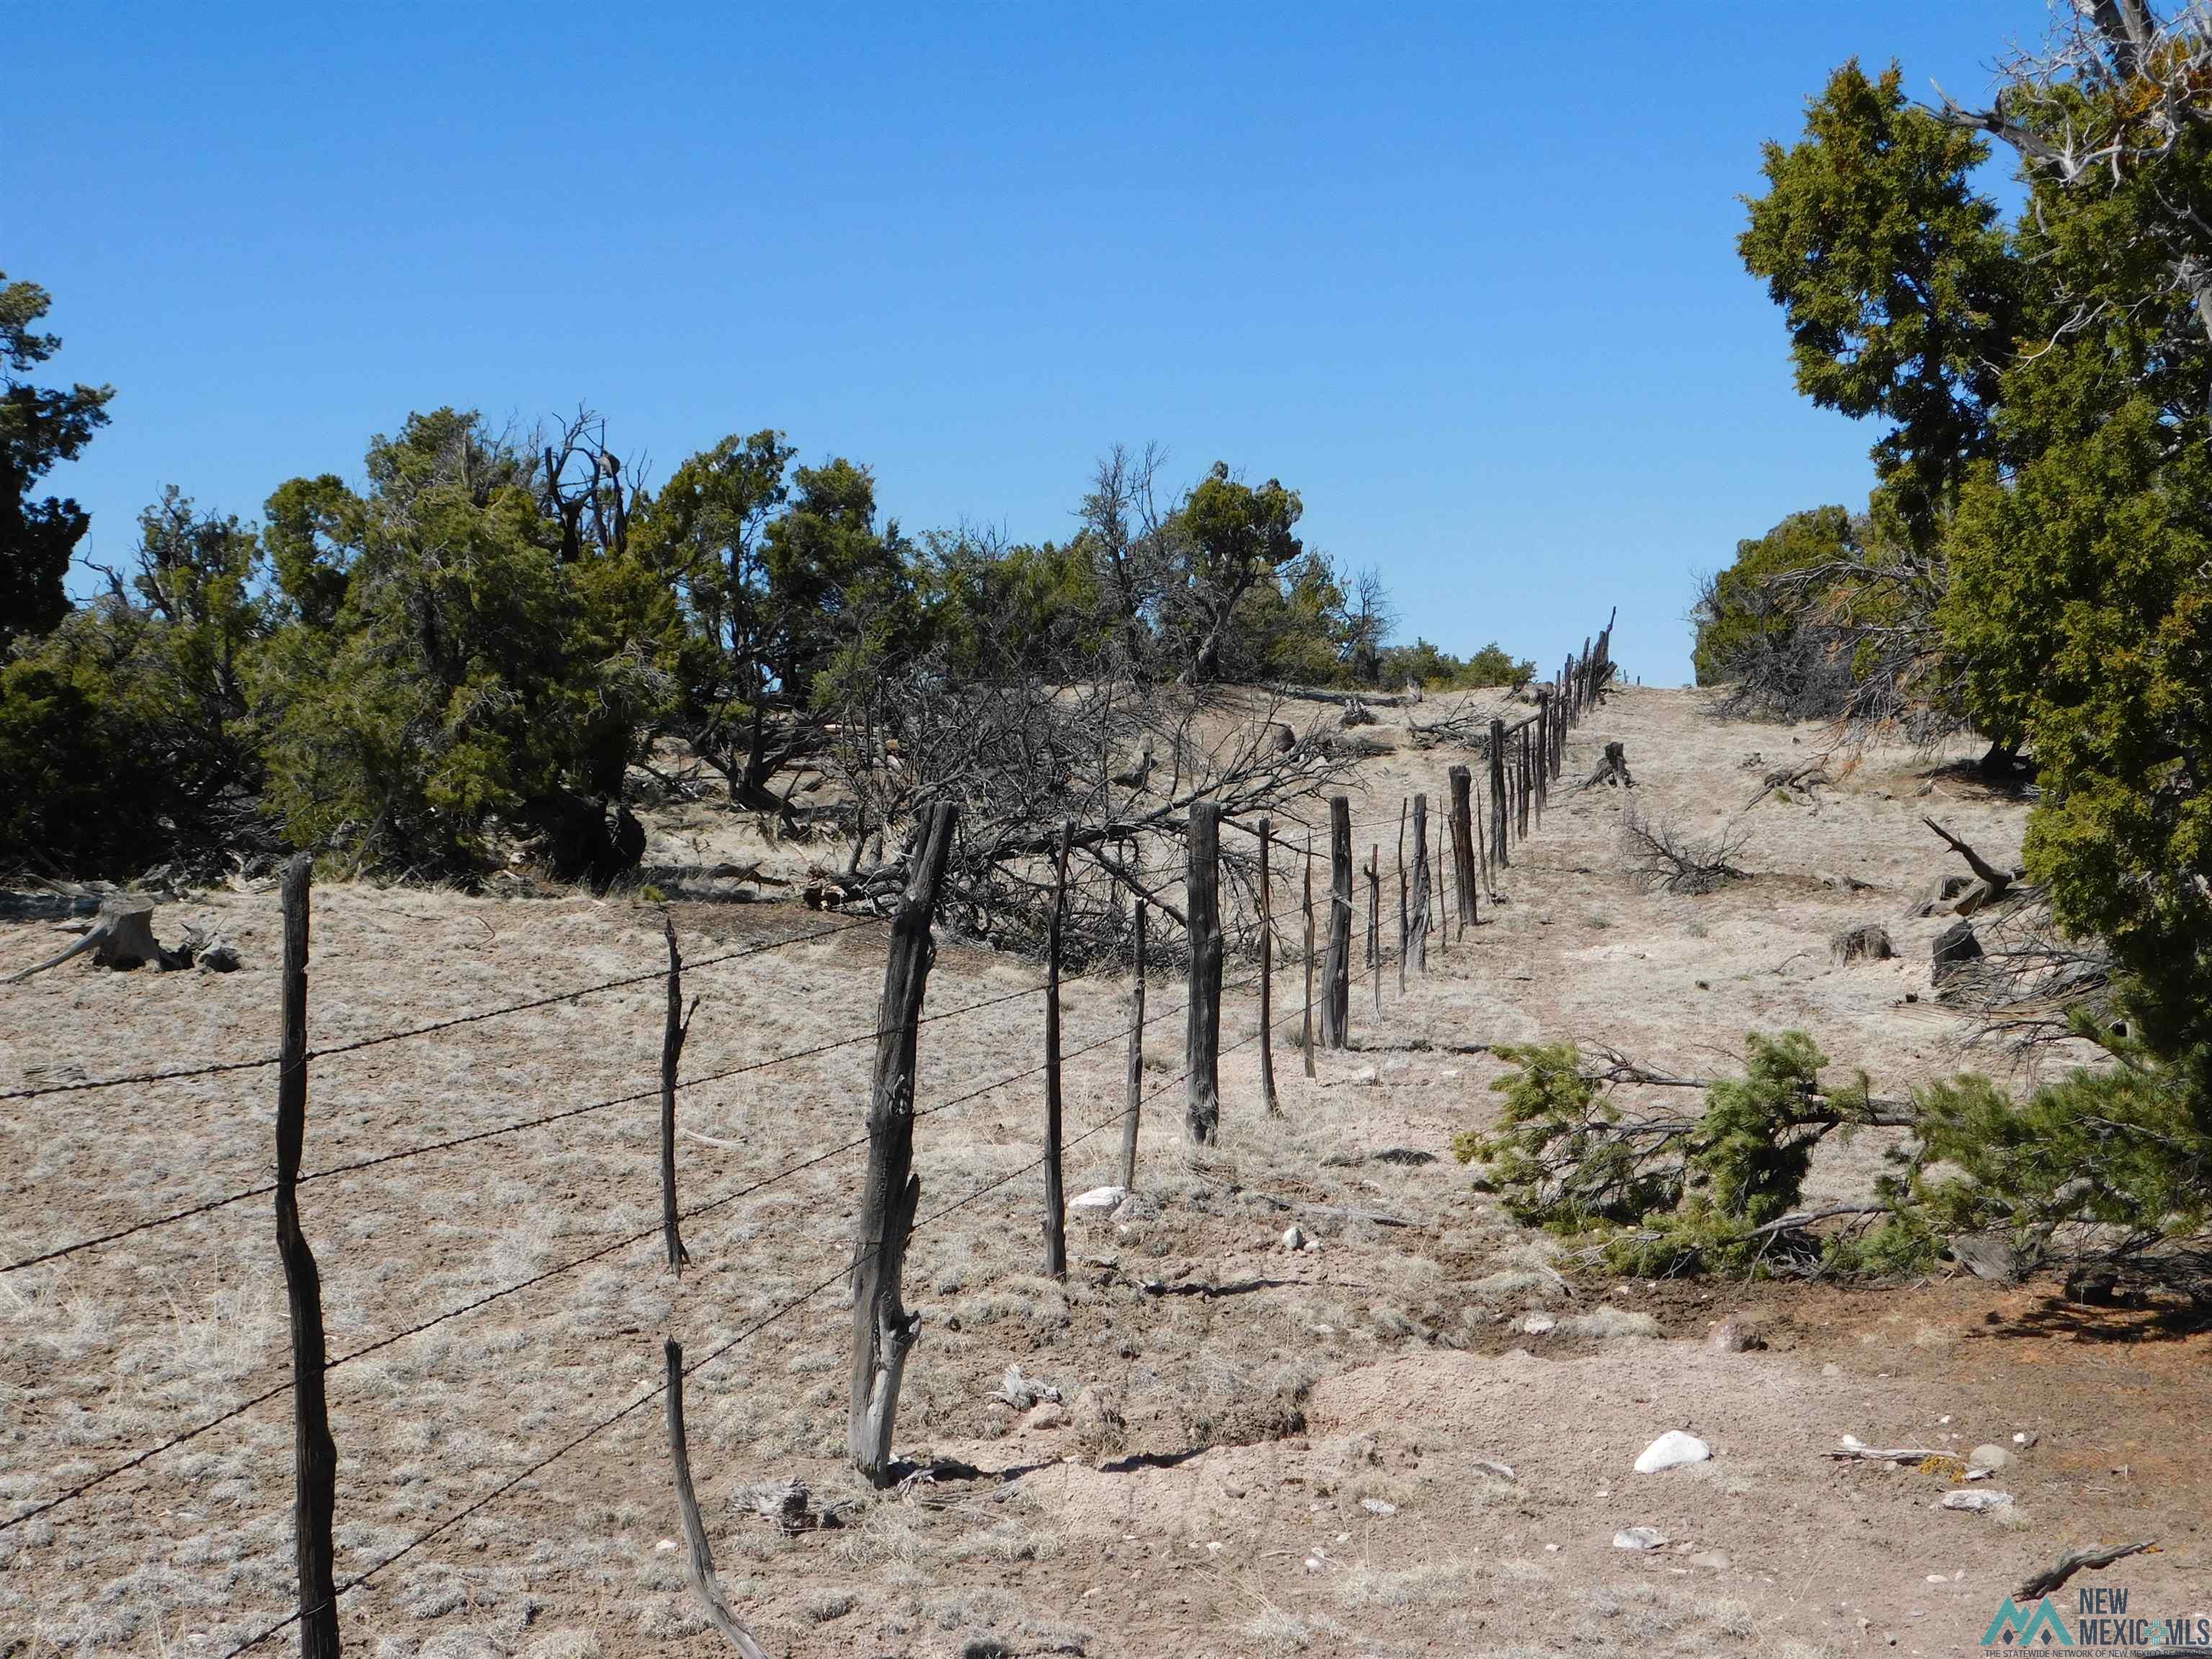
column 121, row 937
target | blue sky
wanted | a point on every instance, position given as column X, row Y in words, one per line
column 1465, row 278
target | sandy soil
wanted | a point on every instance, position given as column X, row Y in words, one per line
column 1260, row 1453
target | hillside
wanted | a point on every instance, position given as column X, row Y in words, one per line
column 1359, row 1448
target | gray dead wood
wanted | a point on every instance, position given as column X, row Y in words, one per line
column 883, row 1329
column 314, row 1453
column 121, row 937
column 1268, row 971
column 1498, row 859
column 2053, row 1577
column 1373, row 927
column 1203, row 1046
column 1055, row 1195
column 698, row 1559
column 1336, row 969
column 1135, row 1104
column 1417, row 943
column 1404, row 926
column 1990, row 883
column 1306, row 1030
column 1613, row 771
column 672, row 1057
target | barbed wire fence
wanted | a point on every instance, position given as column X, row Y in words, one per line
column 1481, row 826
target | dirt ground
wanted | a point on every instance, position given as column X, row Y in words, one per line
column 1356, row 1448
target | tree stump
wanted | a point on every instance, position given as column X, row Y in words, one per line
column 1869, row 942
column 1954, row 947
column 1613, row 769
column 121, row 937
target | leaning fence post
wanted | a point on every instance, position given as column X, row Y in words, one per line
column 883, row 1329
column 1464, row 855
column 1055, row 1195
column 1417, row 941
column 699, row 1557
column 671, row 1056
column 1268, row 973
column 314, row 1453
column 1306, row 1032
column 1136, row 1081
column 1336, row 971
column 1202, row 1045
column 1498, row 858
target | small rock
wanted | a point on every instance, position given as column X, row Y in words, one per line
column 1638, row 1538
column 1294, row 1238
column 1049, row 1415
column 1098, row 1198
column 1988, row 1457
column 1378, row 1506
column 1671, row 1451
column 1981, row 1502
column 1310, row 1245
column 1714, row 1560
column 1832, row 1370
column 2025, row 1437
column 1366, row 1074
column 1537, row 1324
column 1735, row 1334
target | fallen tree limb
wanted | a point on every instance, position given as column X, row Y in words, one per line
column 1852, row 1448
column 2055, row 1576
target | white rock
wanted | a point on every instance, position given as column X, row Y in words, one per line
column 1294, row 1236
column 1378, row 1506
column 1310, row 1245
column 1365, row 1074
column 1980, row 1502
column 1098, row 1198
column 1537, row 1324
column 1671, row 1450
column 1989, row 1457
column 1638, row 1538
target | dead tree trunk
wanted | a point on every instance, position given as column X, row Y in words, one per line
column 672, row 1057
column 1417, row 942
column 1268, row 971
column 1306, row 1033
column 1055, row 1195
column 883, row 1329
column 1203, row 1046
column 314, row 1453
column 698, row 1559
column 1500, row 859
column 1136, row 1078
column 1336, row 970
column 1463, row 855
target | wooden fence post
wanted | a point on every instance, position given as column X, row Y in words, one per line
column 1136, row 1079
column 1462, row 808
column 1375, row 923
column 1587, row 694
column 1418, row 942
column 1056, row 1194
column 1447, row 860
column 1306, row 1033
column 1544, row 723
column 1336, row 969
column 314, row 1453
column 699, row 1557
column 1202, row 1049
column 1521, row 782
column 672, row 1057
column 883, row 1329
column 1268, row 971
column 1499, row 857
column 1403, row 934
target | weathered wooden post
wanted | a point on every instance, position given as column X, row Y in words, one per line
column 1135, row 1104
column 1447, row 861
column 883, row 1329
column 1306, row 1032
column 1417, row 942
column 314, row 1453
column 1202, row 1046
column 1521, row 784
column 1375, row 923
column 1267, row 972
column 1588, row 690
column 672, row 1057
column 1336, row 967
column 1543, row 750
column 1056, row 1194
column 1403, row 936
column 699, row 1555
column 1463, row 855
column 1498, row 857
